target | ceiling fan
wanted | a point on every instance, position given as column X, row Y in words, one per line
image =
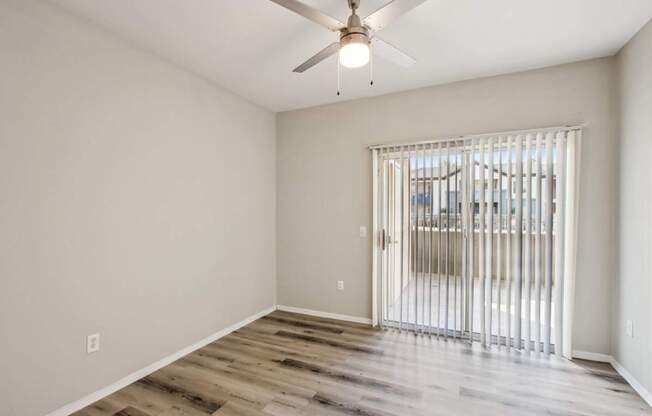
column 357, row 35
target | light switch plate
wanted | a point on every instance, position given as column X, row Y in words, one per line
column 629, row 328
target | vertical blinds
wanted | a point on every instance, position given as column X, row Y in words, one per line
column 471, row 237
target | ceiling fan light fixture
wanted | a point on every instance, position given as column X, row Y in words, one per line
column 354, row 51
column 354, row 44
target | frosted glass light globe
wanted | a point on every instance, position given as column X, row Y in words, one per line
column 354, row 55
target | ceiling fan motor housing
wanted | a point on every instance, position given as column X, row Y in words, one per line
column 354, row 32
column 353, row 38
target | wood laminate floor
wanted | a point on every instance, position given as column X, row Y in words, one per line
column 289, row 365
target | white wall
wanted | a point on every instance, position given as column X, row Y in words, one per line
column 324, row 179
column 633, row 289
column 136, row 200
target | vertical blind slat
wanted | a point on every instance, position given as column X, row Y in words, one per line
column 471, row 240
column 455, row 242
column 482, row 248
column 430, row 251
column 559, row 240
column 490, row 239
column 518, row 243
column 448, row 237
column 418, row 238
column 390, row 232
column 402, row 202
column 527, row 245
column 385, row 216
column 420, row 184
column 537, row 247
column 440, row 251
column 425, row 241
column 548, row 253
column 461, row 210
column 412, row 250
column 395, row 240
column 499, row 244
column 381, row 213
column 508, row 263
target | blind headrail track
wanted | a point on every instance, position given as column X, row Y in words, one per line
column 568, row 128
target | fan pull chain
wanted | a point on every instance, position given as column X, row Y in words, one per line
column 339, row 77
column 371, row 66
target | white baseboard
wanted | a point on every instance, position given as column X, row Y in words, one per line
column 137, row 375
column 605, row 358
column 640, row 389
column 321, row 314
column 592, row 356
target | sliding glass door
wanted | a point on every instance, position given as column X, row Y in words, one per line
column 471, row 237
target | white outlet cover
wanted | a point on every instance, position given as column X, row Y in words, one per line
column 340, row 285
column 92, row 343
column 363, row 231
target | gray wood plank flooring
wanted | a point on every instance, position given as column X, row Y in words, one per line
column 288, row 364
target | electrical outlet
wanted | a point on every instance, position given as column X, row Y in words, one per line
column 363, row 231
column 629, row 329
column 92, row 343
column 340, row 285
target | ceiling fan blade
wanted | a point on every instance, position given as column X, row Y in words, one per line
column 391, row 53
column 318, row 57
column 385, row 15
column 311, row 13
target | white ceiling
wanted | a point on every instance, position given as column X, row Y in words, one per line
column 251, row 46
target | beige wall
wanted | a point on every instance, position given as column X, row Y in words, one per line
column 136, row 200
column 633, row 288
column 324, row 179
